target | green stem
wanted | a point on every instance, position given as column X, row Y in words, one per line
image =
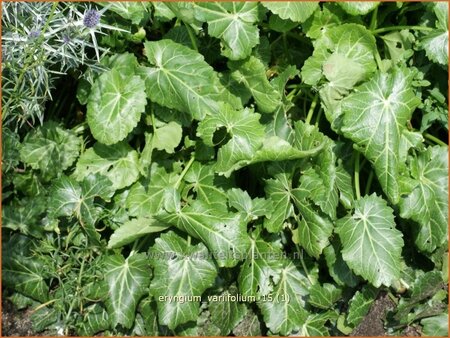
column 72, row 305
column 379, row 61
column 188, row 240
column 398, row 28
column 369, row 183
column 356, row 176
column 191, row 36
column 311, row 109
column 434, row 139
column 374, row 21
column 319, row 115
column 185, row 170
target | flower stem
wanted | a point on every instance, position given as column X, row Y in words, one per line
column 398, row 28
column 185, row 170
column 434, row 139
column 191, row 36
column 311, row 109
column 374, row 21
column 369, row 183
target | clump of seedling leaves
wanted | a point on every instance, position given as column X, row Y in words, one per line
column 237, row 168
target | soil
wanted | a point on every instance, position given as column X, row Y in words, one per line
column 15, row 322
column 373, row 322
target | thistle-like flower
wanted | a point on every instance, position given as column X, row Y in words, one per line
column 91, row 18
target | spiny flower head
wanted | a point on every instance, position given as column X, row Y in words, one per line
column 91, row 18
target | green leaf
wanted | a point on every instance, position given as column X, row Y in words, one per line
column 250, row 208
column 115, row 105
column 349, row 43
column 146, row 197
column 128, row 280
column 314, row 228
column 324, row 296
column 263, row 264
column 226, row 314
column 375, row 118
column 223, row 233
column 50, row 149
column 95, row 319
column 436, row 326
column 181, row 79
column 337, row 267
column 319, row 182
column 360, row 305
column 247, row 143
column 71, row 198
column 358, row 7
column 252, row 74
column 435, row 43
column 369, row 235
column 147, row 308
column 295, row 11
column 119, row 163
column 315, row 324
column 286, row 312
column 233, row 23
column 435, row 46
column 209, row 187
column 330, row 15
column 186, row 275
column 167, row 137
column 21, row 271
column 134, row 11
column 246, row 136
column 278, row 191
column 134, row 229
column 44, row 318
column 427, row 203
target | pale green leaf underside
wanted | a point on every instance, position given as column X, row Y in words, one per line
column 358, row 7
column 146, row 198
column 435, row 43
column 436, row 46
column 127, row 281
column 187, row 272
column 375, row 117
column 369, row 235
column 134, row 229
column 119, row 163
column 292, row 10
column 233, row 23
column 115, row 105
